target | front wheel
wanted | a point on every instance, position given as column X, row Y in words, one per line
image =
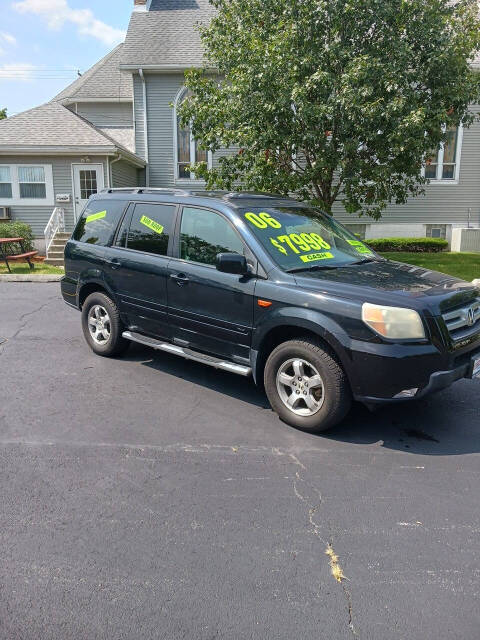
column 306, row 386
column 102, row 326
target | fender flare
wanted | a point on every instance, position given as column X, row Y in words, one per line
column 310, row 320
column 94, row 278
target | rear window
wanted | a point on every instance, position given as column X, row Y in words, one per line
column 99, row 221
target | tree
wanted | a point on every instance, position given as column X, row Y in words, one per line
column 334, row 100
column 3, row 114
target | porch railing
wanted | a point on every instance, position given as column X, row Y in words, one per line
column 55, row 224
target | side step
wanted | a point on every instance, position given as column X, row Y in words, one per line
column 218, row 363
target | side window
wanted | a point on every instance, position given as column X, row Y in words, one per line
column 205, row 233
column 99, row 221
column 151, row 227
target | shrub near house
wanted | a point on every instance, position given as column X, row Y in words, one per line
column 18, row 230
column 410, row 245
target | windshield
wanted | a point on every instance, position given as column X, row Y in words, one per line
column 301, row 238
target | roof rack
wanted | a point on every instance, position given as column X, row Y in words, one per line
column 165, row 191
column 238, row 195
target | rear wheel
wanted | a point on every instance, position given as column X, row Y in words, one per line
column 102, row 326
column 306, row 386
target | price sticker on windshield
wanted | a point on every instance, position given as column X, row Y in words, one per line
column 360, row 247
column 313, row 257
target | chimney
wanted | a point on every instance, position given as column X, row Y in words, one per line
column 140, row 5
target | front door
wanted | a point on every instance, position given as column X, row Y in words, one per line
column 87, row 180
column 209, row 311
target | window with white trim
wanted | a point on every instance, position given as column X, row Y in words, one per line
column 5, row 182
column 443, row 165
column 187, row 151
column 26, row 184
column 32, row 183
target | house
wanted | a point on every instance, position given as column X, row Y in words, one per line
column 117, row 126
column 58, row 154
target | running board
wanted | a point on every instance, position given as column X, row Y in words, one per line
column 218, row 363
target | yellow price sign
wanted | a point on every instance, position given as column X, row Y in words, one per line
column 313, row 257
column 151, row 224
column 299, row 242
column 360, row 247
column 263, row 220
column 95, row 216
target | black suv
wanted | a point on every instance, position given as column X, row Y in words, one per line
column 267, row 286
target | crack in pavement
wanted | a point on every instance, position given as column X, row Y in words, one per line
column 313, row 506
column 27, row 315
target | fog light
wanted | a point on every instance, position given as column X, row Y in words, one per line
column 407, row 393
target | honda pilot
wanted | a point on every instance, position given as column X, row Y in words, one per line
column 268, row 287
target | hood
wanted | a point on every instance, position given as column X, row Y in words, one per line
column 376, row 281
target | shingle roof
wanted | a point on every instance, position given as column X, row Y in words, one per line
column 53, row 126
column 166, row 35
column 104, row 80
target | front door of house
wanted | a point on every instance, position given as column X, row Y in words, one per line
column 87, row 180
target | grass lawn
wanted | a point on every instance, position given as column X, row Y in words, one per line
column 461, row 265
column 22, row 267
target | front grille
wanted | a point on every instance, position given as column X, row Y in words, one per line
column 464, row 318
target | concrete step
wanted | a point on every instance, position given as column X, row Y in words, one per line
column 61, row 235
column 57, row 262
column 57, row 247
column 55, row 254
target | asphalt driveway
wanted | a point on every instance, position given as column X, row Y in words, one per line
column 150, row 497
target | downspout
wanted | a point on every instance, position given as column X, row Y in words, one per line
column 110, row 172
column 145, row 127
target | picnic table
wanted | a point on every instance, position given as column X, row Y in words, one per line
column 24, row 256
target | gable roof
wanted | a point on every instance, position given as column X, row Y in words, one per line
column 54, row 128
column 165, row 35
column 104, row 81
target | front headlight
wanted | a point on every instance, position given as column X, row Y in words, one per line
column 393, row 322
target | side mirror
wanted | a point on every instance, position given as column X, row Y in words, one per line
column 232, row 263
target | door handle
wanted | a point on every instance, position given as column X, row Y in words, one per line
column 180, row 278
column 113, row 262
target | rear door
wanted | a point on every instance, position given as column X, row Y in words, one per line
column 137, row 266
column 209, row 311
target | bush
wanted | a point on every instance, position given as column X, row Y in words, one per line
column 411, row 245
column 18, row 230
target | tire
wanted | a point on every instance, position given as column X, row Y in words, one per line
column 317, row 396
column 100, row 311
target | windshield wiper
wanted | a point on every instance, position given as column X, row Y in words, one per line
column 366, row 260
column 316, row 267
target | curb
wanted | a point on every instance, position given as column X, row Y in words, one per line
column 476, row 282
column 25, row 277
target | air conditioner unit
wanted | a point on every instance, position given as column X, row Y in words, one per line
column 5, row 213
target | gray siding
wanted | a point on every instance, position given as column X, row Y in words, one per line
column 124, row 175
column 139, row 116
column 162, row 91
column 106, row 114
column 38, row 216
column 447, row 204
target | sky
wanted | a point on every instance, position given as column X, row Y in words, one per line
column 43, row 43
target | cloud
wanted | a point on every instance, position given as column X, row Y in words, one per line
column 21, row 71
column 7, row 38
column 57, row 13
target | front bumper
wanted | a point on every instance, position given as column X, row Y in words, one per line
column 379, row 373
column 438, row 381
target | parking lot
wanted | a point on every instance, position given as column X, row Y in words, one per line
column 151, row 497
